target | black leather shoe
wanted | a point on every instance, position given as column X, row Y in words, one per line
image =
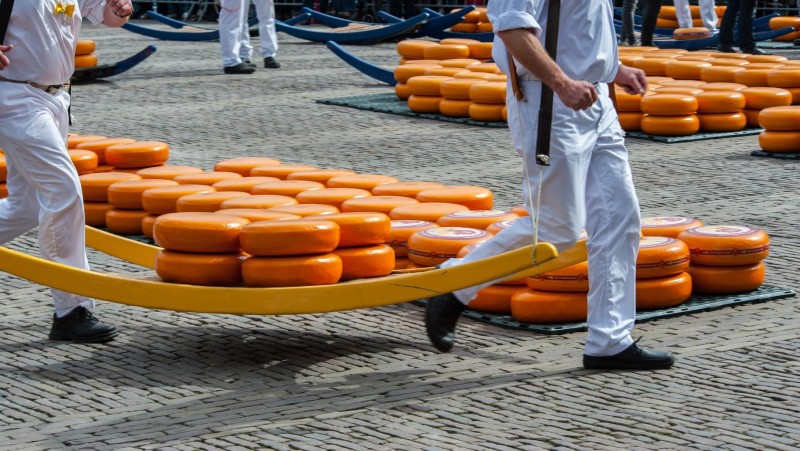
column 271, row 63
column 441, row 315
column 250, row 63
column 755, row 51
column 635, row 357
column 725, row 49
column 81, row 326
column 241, row 68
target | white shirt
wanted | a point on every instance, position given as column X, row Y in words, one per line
column 587, row 40
column 44, row 42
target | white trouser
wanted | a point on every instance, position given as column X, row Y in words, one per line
column 43, row 185
column 588, row 184
column 267, row 36
column 232, row 18
column 707, row 12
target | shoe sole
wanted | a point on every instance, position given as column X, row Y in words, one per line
column 611, row 365
column 94, row 339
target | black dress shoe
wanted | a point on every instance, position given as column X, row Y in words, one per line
column 81, row 326
column 241, row 68
column 250, row 63
column 725, row 49
column 635, row 357
column 755, row 51
column 271, row 63
column 441, row 315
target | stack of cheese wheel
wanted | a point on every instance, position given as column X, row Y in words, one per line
column 425, row 92
column 476, row 219
column 319, row 175
column 362, row 244
column 667, row 17
column 455, row 96
column 85, row 161
column 167, row 172
column 401, row 230
column 243, row 165
column 292, row 252
column 99, row 147
column 781, row 129
column 661, row 277
column 670, row 115
column 776, row 23
column 3, row 176
column 720, row 111
column 404, row 72
column 759, row 98
column 283, row 187
column 137, row 155
column 471, row 22
column 95, row 194
column 629, row 110
column 84, row 53
column 433, row 246
column 488, row 100
column 199, row 248
column 470, row 196
column 280, row 171
column 723, row 69
column 127, row 214
column 788, row 78
column 726, row 259
column 683, row 69
column 413, row 49
column 164, row 199
column 495, row 298
column 756, row 72
column 669, row 226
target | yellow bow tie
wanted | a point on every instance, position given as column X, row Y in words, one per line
column 68, row 10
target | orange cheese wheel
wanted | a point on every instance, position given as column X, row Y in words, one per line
column 359, row 229
column 720, row 74
column 199, row 232
column 99, row 146
column 95, row 186
column 794, row 91
column 428, row 211
column 331, row 196
column 732, row 62
column 258, row 201
column 670, row 125
column 481, row 50
column 85, row 61
column 533, row 306
column 148, row 222
column 424, row 104
column 758, row 98
column 752, row 117
column 720, row 101
column 465, row 27
column 302, row 270
column 628, row 59
column 289, row 237
column 780, row 118
column 95, row 213
column 164, row 199
column 167, row 172
column 490, row 68
column 776, row 23
column 380, row 204
column 3, row 169
column 84, row 47
column 485, row 112
column 628, row 102
column 668, row 226
column 779, row 141
column 405, row 71
column 661, row 256
column 501, row 225
column 752, row 77
column 476, row 219
column 484, row 76
column 653, row 66
column 243, row 165
column 74, row 140
column 446, row 71
column 682, row 34
column 318, row 175
column 199, row 269
column 686, row 70
column 207, row 202
column 571, row 278
column 414, row 48
column 304, row 210
column 630, row 121
column 402, row 229
column 434, row 246
column 401, row 91
column 138, row 154
column 663, row 292
column 488, row 92
column 127, row 195
column 205, row 178
column 667, row 12
column 257, row 214
column 764, row 58
column 84, row 161
column 366, row 262
column 360, row 181
column 693, row 57
column 784, row 78
column 403, row 189
column 445, row 52
column 494, row 299
column 454, row 108
column 460, row 62
column 243, row 184
column 472, row 197
column 426, row 85
column 682, row 83
column 289, row 188
column 726, row 279
column 669, row 104
column 459, row 88
column 726, row 245
column 401, row 263
column 722, row 122
column 125, row 222
column 280, row 171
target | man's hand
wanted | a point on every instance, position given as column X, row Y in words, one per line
column 632, row 80
column 4, row 62
column 120, row 8
column 578, row 95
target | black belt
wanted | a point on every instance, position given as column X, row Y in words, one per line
column 50, row 89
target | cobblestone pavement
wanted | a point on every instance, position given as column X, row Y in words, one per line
column 369, row 379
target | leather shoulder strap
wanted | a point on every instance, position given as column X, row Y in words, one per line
column 5, row 16
column 546, row 105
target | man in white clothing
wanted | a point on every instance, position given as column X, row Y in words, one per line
column 588, row 183
column 708, row 13
column 37, row 59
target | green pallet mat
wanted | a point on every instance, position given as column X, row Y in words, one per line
column 781, row 156
column 694, row 137
column 695, row 304
column 389, row 103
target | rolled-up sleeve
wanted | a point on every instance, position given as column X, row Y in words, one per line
column 511, row 14
column 93, row 10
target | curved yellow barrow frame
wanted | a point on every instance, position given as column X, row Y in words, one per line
column 147, row 291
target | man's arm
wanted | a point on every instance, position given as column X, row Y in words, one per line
column 116, row 12
column 526, row 48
